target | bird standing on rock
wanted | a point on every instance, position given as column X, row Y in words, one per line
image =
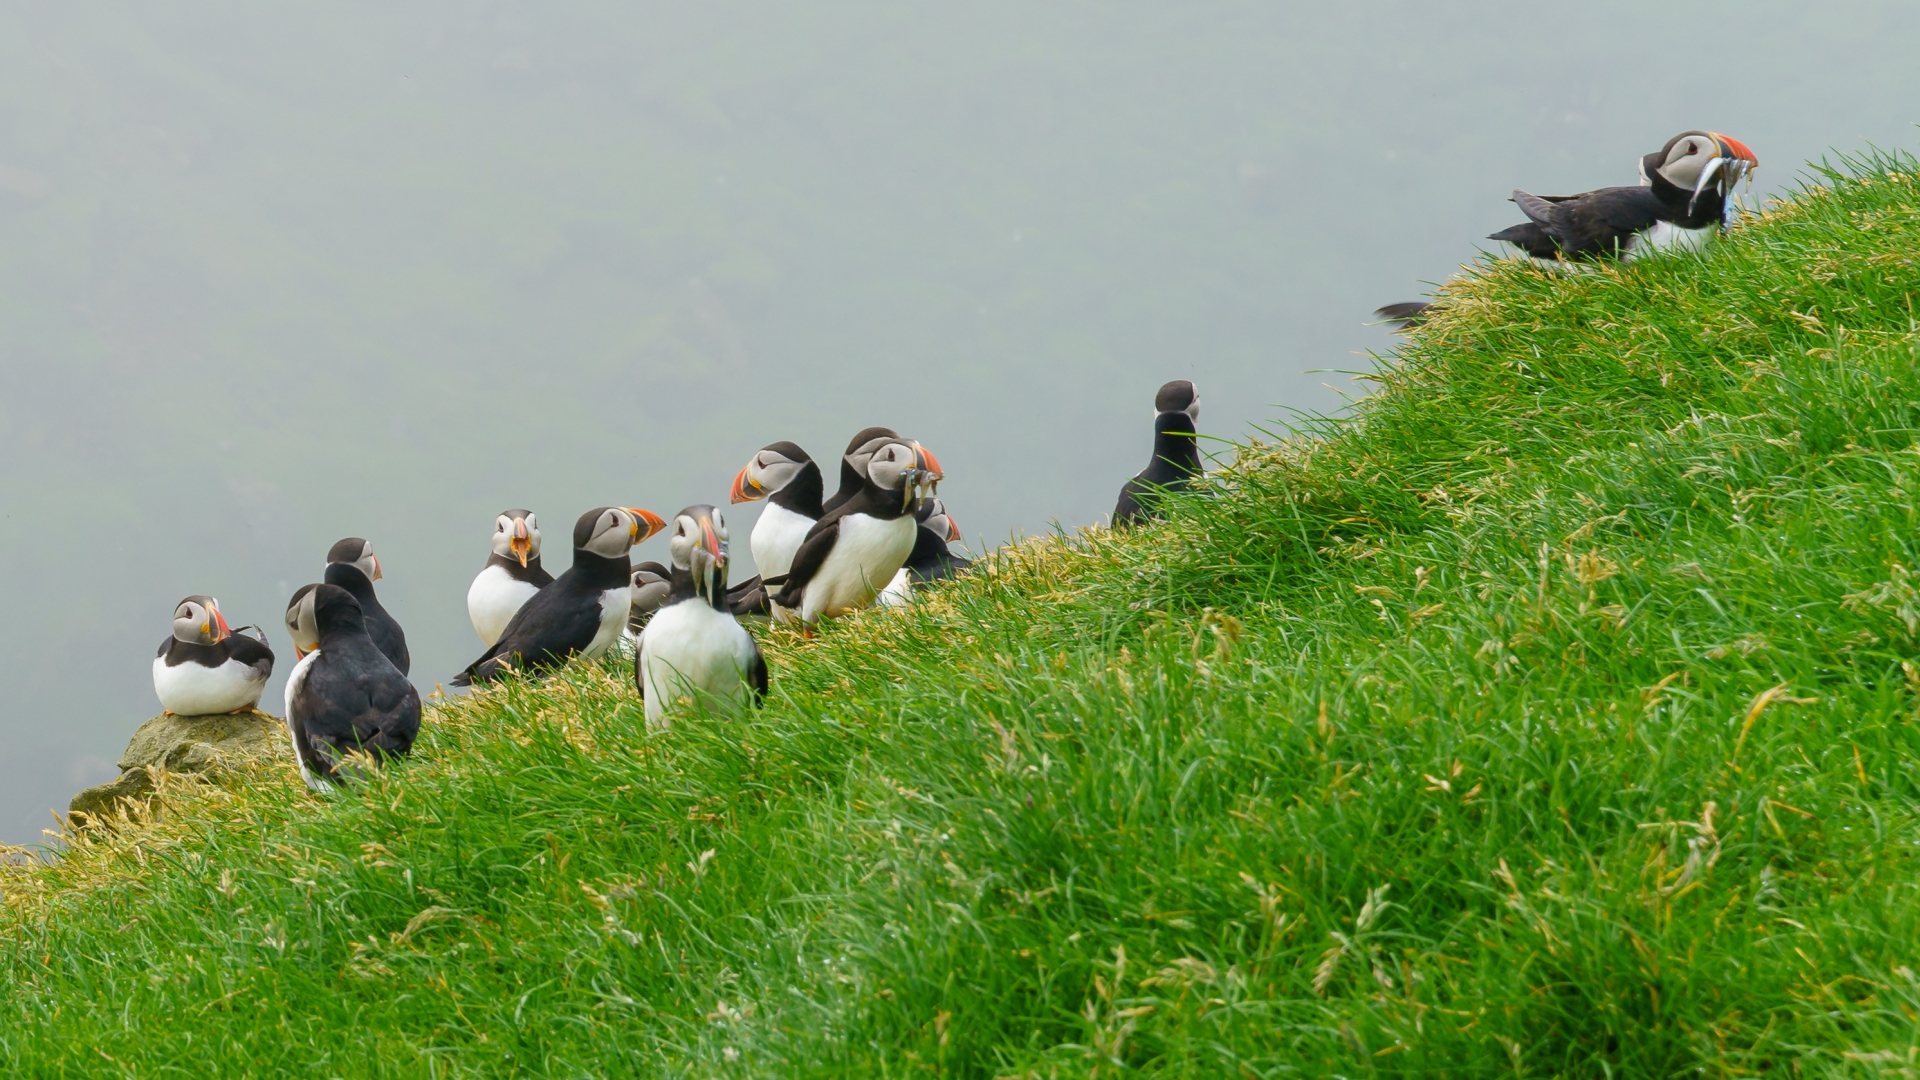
column 1176, row 454
column 854, row 551
column 585, row 609
column 204, row 667
column 352, row 565
column 510, row 578
column 344, row 697
column 694, row 645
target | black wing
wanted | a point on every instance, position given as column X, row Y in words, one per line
column 556, row 623
column 253, row 652
column 751, row 597
column 807, row 561
column 1403, row 316
column 346, row 707
column 1128, row 510
column 1593, row 225
column 757, row 675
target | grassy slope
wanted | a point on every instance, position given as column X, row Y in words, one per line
column 1552, row 715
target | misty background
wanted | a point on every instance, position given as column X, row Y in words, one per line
column 275, row 275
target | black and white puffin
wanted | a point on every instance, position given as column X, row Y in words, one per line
column 694, row 646
column 790, row 481
column 1176, row 454
column 1680, row 203
column 853, row 464
column 344, row 696
column 854, row 551
column 930, row 560
column 510, row 578
column 652, row 584
column 585, row 609
column 203, row 667
column 352, row 565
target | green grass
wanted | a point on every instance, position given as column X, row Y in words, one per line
column 1552, row 714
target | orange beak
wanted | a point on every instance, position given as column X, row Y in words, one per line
column 1739, row 149
column 953, row 530
column 744, row 488
column 521, row 545
column 647, row 518
column 712, row 541
column 221, row 621
column 928, row 462
column 376, row 568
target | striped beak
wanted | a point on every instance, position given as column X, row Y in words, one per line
column 522, row 544
column 646, row 518
column 746, row 488
column 221, row 621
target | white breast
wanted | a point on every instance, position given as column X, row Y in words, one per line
column 1666, row 236
column 865, row 556
column 689, row 648
column 194, row 690
column 493, row 599
column 614, row 607
column 776, row 536
column 899, row 591
column 295, row 680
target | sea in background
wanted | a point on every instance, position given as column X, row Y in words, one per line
column 275, row 275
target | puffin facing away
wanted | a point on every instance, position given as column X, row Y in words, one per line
column 204, row 667
column 1681, row 204
column 1176, row 454
column 693, row 647
column 853, row 464
column 652, row 584
column 585, row 609
column 510, row 578
column 345, row 696
column 929, row 560
column 352, row 565
column 790, row 481
column 854, row 551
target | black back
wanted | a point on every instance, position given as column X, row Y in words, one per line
column 1176, row 461
column 351, row 696
column 559, row 621
column 874, row 502
column 383, row 628
column 931, row 561
column 1598, row 224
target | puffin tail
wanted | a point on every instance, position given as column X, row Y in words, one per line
column 1403, row 316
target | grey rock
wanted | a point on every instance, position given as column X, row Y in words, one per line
column 207, row 745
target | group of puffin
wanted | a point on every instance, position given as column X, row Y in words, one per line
column 1681, row 202
column 883, row 534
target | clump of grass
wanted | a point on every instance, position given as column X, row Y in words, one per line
column 1553, row 713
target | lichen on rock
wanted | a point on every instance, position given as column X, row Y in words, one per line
column 203, row 745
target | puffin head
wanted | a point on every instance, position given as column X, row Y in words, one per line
column 773, row 468
column 699, row 545
column 904, row 466
column 651, row 584
column 197, row 621
column 1178, row 396
column 611, row 531
column 933, row 517
column 356, row 552
column 331, row 607
column 1693, row 160
column 302, row 624
column 516, row 535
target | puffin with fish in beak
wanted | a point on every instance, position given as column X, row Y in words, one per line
column 857, row 547
column 1681, row 203
column 205, row 668
column 510, row 578
column 585, row 609
column 693, row 646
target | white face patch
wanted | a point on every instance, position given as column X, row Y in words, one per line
column 612, row 534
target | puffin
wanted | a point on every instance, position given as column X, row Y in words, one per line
column 203, row 667
column 1176, row 454
column 693, row 645
column 855, row 549
column 652, row 584
column 929, row 560
column 790, row 481
column 853, row 464
column 1681, row 203
column 510, row 578
column 585, row 609
column 344, row 697
column 352, row 565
